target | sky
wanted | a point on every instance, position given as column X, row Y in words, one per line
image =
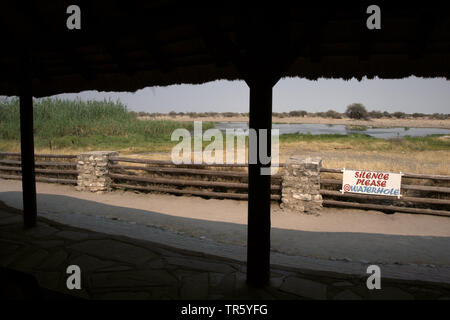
column 430, row 95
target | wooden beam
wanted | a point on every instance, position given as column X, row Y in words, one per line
column 168, row 162
column 203, row 172
column 43, row 163
column 381, row 197
column 27, row 143
column 42, row 179
column 385, row 208
column 258, row 234
column 186, row 182
column 227, row 195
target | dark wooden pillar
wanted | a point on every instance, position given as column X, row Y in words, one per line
column 258, row 234
column 27, row 144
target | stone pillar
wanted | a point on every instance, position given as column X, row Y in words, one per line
column 301, row 184
column 93, row 171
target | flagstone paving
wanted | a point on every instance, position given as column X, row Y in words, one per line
column 117, row 267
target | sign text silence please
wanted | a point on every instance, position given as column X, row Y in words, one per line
column 371, row 182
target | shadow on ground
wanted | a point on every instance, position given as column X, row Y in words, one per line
column 126, row 265
column 345, row 246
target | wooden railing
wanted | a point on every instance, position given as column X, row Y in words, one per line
column 434, row 197
column 206, row 180
column 61, row 171
column 231, row 181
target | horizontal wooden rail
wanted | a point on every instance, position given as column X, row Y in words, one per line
column 49, row 164
column 191, row 171
column 41, row 179
column 426, row 176
column 403, row 186
column 14, row 154
column 330, row 181
column 330, row 170
column 425, row 188
column 405, row 175
column 41, row 155
column 242, row 196
column 73, row 172
column 167, row 162
column 193, row 183
column 378, row 197
column 385, row 208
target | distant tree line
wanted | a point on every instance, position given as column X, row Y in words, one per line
column 353, row 111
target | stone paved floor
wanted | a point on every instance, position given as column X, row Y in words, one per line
column 117, row 267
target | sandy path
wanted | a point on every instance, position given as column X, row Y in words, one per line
column 355, row 235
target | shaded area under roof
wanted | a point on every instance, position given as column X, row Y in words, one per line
column 129, row 45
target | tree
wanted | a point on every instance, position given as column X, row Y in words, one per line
column 357, row 111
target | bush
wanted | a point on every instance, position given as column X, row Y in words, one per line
column 439, row 116
column 376, row 114
column 418, row 115
column 400, row 115
column 357, row 111
column 279, row 114
column 333, row 114
column 320, row 114
column 297, row 113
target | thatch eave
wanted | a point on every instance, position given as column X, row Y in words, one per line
column 129, row 47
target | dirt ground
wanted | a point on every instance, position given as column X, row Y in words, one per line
column 335, row 234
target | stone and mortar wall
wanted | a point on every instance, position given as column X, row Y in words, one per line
column 93, row 171
column 301, row 184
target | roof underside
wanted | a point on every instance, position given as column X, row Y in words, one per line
column 128, row 45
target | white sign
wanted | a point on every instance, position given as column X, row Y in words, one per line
column 371, row 182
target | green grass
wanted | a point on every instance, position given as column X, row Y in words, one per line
column 64, row 124
column 108, row 125
column 356, row 128
column 365, row 142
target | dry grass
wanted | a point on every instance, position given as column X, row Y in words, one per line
column 336, row 155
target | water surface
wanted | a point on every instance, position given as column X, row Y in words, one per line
column 316, row 129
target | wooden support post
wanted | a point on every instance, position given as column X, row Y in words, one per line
column 258, row 234
column 27, row 145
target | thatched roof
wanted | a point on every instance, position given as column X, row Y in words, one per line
column 128, row 45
